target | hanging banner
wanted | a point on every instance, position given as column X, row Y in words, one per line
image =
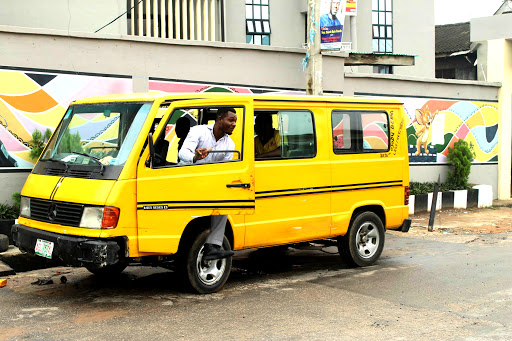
column 332, row 17
column 351, row 8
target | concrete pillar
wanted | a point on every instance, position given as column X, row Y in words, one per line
column 499, row 69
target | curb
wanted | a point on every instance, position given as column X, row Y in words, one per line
column 480, row 196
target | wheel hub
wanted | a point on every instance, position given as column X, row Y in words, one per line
column 209, row 271
column 368, row 240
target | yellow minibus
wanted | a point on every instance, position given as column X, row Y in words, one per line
column 109, row 188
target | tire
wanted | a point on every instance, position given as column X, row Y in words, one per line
column 364, row 241
column 204, row 277
column 4, row 242
column 107, row 270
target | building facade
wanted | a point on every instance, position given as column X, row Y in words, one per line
column 51, row 58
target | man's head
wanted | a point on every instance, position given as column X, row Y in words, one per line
column 263, row 124
column 335, row 6
column 226, row 120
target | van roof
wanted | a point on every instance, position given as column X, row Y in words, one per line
column 162, row 96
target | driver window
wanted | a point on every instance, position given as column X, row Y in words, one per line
column 198, row 123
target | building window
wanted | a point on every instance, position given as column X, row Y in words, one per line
column 383, row 69
column 176, row 19
column 382, row 26
column 257, row 22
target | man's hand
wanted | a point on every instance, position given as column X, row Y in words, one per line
column 201, row 153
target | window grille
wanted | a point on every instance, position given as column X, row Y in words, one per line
column 176, row 19
column 257, row 22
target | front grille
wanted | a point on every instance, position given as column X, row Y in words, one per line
column 83, row 174
column 56, row 212
column 55, row 171
column 72, row 173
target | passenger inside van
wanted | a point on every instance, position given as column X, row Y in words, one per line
column 182, row 129
column 267, row 142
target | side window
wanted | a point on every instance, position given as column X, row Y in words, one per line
column 341, row 131
column 375, row 131
column 284, row 134
column 360, row 132
column 182, row 122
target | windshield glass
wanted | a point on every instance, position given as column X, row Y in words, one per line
column 94, row 134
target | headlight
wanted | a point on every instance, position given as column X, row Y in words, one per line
column 25, row 207
column 92, row 217
column 100, row 217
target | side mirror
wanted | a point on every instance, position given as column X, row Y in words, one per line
column 149, row 162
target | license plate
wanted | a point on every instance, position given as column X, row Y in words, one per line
column 44, row 248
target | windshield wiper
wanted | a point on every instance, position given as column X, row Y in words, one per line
column 92, row 157
column 58, row 161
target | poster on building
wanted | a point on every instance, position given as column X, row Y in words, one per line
column 351, row 8
column 332, row 17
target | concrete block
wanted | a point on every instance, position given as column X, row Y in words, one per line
column 485, row 195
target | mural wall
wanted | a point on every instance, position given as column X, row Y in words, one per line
column 33, row 100
column 435, row 125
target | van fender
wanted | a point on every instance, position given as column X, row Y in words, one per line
column 374, row 206
column 198, row 225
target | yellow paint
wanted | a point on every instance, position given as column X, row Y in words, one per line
column 289, row 200
column 110, row 133
column 16, row 83
column 50, row 118
column 13, row 123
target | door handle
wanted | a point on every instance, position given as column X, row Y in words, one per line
column 238, row 185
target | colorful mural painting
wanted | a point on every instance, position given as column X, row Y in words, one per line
column 435, row 125
column 34, row 100
column 38, row 100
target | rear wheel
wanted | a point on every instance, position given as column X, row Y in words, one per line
column 202, row 276
column 364, row 241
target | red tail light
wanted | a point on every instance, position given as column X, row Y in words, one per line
column 110, row 217
column 406, row 195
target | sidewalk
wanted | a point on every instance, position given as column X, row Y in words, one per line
column 468, row 222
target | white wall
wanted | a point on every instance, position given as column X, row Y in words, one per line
column 72, row 15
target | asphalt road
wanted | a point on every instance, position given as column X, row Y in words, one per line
column 438, row 287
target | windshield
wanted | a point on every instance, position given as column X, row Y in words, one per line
column 97, row 134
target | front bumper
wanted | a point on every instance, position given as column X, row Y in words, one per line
column 72, row 250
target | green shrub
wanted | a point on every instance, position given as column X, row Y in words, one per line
column 8, row 211
column 16, row 197
column 416, row 188
column 460, row 157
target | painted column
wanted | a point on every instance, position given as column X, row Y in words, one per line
column 499, row 69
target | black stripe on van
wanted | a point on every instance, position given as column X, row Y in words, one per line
column 328, row 189
column 167, row 207
column 217, row 204
column 192, row 202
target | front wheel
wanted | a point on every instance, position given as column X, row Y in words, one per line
column 364, row 241
column 205, row 277
column 107, row 270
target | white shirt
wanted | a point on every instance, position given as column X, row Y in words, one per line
column 202, row 137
